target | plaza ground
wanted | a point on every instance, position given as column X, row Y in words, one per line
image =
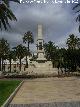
column 48, row 90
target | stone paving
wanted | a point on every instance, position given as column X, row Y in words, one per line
column 48, row 90
column 56, row 104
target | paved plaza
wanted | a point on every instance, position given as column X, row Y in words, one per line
column 48, row 90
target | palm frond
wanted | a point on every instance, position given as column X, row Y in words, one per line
column 77, row 11
column 76, row 6
column 15, row 1
column 6, row 15
column 8, row 1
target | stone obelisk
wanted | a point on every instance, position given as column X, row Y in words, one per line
column 40, row 32
column 40, row 42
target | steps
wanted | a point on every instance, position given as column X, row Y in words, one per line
column 56, row 104
column 40, row 71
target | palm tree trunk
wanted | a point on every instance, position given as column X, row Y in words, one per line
column 26, row 62
column 2, row 64
column 10, row 65
column 20, row 64
column 28, row 46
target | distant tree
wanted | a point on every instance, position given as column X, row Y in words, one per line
column 28, row 37
column 4, row 48
column 51, row 52
column 72, row 42
column 20, row 52
column 72, row 59
column 49, row 49
column 72, row 54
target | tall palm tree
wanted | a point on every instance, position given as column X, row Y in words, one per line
column 26, row 53
column 20, row 52
column 4, row 48
column 6, row 14
column 28, row 37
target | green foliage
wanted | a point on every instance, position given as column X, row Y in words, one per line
column 71, row 56
column 6, row 88
column 51, row 52
column 73, row 42
column 68, row 60
column 21, row 51
column 28, row 37
column 11, row 55
column 4, row 48
column 6, row 14
column 50, row 49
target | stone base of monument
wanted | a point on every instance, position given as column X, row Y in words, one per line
column 40, row 64
column 41, row 68
column 39, row 71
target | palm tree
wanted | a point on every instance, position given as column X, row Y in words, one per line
column 20, row 52
column 4, row 48
column 28, row 37
column 72, row 41
column 26, row 53
column 72, row 56
column 6, row 14
column 49, row 50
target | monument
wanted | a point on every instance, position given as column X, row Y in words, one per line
column 40, row 42
column 41, row 65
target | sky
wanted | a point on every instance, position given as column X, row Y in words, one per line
column 58, row 20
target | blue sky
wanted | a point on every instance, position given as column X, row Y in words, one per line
column 58, row 22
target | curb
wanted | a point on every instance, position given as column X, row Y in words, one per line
column 7, row 102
